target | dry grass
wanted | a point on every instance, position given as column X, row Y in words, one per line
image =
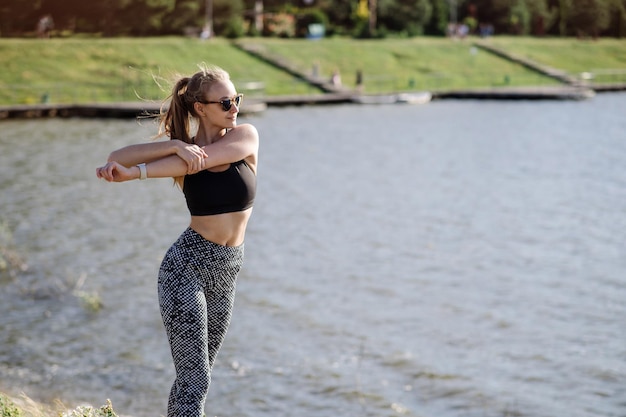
column 24, row 406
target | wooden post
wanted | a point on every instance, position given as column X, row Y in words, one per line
column 208, row 19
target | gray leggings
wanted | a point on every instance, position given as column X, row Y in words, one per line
column 196, row 294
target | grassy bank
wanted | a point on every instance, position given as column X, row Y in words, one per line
column 402, row 64
column 120, row 69
column 125, row 69
column 605, row 58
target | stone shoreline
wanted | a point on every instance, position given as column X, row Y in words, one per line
column 150, row 109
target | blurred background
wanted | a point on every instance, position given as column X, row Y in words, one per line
column 437, row 257
column 363, row 18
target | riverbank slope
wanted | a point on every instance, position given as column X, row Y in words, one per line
column 108, row 70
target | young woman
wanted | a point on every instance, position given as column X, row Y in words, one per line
column 216, row 170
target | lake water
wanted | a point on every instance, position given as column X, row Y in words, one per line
column 457, row 259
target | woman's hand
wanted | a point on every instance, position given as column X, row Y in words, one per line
column 115, row 172
column 193, row 155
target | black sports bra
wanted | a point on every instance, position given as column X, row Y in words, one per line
column 226, row 191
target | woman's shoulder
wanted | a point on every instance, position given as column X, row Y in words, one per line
column 245, row 128
column 245, row 132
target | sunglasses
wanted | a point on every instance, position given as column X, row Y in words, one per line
column 227, row 103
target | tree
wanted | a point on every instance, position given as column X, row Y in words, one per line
column 15, row 16
column 564, row 7
column 225, row 14
column 186, row 14
column 541, row 17
column 152, row 13
column 520, row 18
column 410, row 16
column 589, row 17
column 494, row 12
column 617, row 25
column 440, row 18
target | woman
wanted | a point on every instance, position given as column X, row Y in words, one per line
column 216, row 169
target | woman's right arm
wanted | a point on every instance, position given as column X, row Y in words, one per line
column 132, row 155
column 169, row 166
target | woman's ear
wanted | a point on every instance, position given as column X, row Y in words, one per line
column 199, row 108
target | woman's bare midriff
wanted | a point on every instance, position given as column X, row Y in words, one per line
column 226, row 229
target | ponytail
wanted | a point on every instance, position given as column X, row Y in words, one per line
column 175, row 122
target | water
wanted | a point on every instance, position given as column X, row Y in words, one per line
column 456, row 259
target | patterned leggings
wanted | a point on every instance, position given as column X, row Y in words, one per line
column 196, row 295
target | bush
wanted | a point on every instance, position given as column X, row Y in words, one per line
column 8, row 408
column 234, row 28
column 362, row 31
column 281, row 25
column 309, row 17
column 26, row 407
column 88, row 411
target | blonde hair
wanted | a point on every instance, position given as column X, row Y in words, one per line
column 176, row 121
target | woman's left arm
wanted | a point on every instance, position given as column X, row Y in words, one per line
column 239, row 143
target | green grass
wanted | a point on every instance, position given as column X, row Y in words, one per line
column 78, row 70
column 120, row 69
column 604, row 57
column 403, row 64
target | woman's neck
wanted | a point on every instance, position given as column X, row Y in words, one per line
column 206, row 137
